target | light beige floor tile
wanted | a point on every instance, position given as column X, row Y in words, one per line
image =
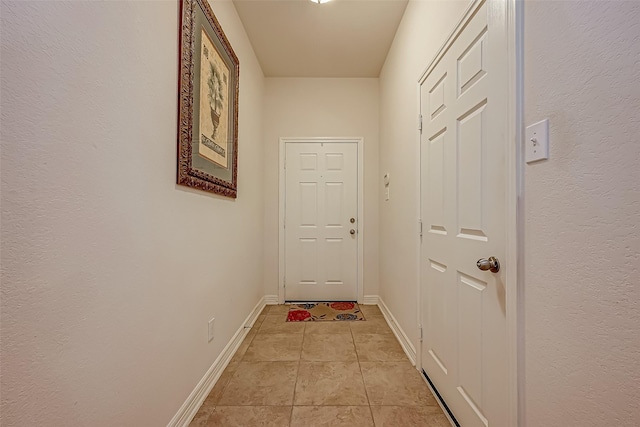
column 282, row 309
column 250, row 416
column 200, row 419
column 327, row 328
column 259, row 321
column 378, row 348
column 274, row 347
column 279, row 325
column 331, row 416
column 395, row 383
column 237, row 358
column 327, row 348
column 261, row 383
column 233, row 364
column 402, row 416
column 242, row 349
column 374, row 325
column 370, row 311
column 330, row 383
column 218, row 389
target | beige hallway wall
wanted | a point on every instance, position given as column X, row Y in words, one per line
column 110, row 271
column 312, row 107
column 582, row 214
column 424, row 28
column 582, row 206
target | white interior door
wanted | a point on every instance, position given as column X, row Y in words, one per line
column 463, row 188
column 321, row 221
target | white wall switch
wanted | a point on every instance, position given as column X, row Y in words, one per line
column 536, row 141
column 211, row 329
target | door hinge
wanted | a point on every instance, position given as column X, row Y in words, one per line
column 420, row 123
column 420, row 326
column 420, row 227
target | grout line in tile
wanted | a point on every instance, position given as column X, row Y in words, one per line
column 366, row 392
column 295, row 384
column 340, row 405
column 291, row 413
column 225, row 386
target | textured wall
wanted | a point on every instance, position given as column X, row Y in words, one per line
column 309, row 107
column 582, row 206
column 110, row 271
column 424, row 28
column 582, row 215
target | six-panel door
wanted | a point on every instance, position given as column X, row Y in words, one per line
column 321, row 242
column 463, row 187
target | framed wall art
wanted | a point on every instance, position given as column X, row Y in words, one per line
column 208, row 103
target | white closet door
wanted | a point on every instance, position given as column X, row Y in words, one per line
column 463, row 174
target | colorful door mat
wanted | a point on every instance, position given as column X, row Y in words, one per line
column 314, row 311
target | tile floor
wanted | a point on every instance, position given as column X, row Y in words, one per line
column 312, row 374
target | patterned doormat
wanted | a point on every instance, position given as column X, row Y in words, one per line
column 314, row 311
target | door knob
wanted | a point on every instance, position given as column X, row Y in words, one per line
column 352, row 231
column 352, row 220
column 492, row 264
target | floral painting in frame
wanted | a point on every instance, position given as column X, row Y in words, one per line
column 208, row 103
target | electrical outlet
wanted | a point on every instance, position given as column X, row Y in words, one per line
column 211, row 329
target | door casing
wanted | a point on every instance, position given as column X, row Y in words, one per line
column 514, row 202
column 281, row 203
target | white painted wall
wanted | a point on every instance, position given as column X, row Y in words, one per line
column 424, row 28
column 109, row 276
column 311, row 107
column 582, row 298
column 582, row 206
column 110, row 271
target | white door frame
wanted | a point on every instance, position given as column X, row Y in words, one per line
column 514, row 203
column 281, row 196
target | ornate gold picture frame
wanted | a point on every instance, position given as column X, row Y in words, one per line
column 207, row 104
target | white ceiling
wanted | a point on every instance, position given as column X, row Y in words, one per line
column 342, row 38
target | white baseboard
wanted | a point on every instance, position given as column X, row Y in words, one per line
column 194, row 401
column 370, row 300
column 271, row 300
column 402, row 337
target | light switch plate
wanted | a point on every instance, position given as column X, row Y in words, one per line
column 537, row 141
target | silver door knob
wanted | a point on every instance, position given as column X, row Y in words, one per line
column 492, row 264
column 352, row 231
